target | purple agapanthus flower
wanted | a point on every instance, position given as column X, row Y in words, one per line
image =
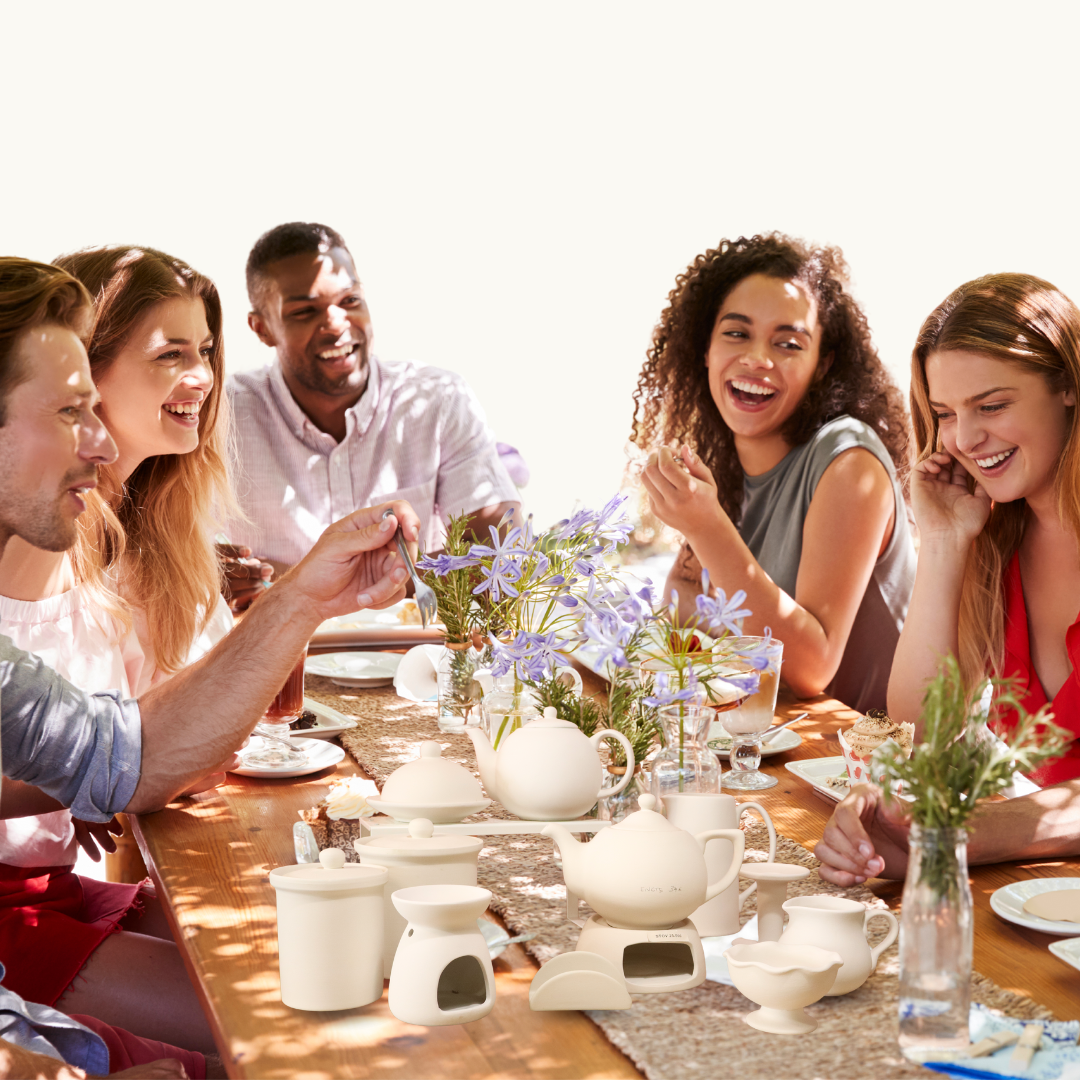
column 571, row 526
column 761, row 655
column 507, row 562
column 664, row 694
column 612, row 525
column 612, row 635
column 719, row 611
column 444, row 564
column 529, row 655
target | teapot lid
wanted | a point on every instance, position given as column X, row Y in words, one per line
column 645, row 819
column 421, row 843
column 551, row 719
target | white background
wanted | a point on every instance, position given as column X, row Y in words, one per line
column 520, row 183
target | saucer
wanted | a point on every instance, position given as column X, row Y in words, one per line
column 355, row 669
column 437, row 813
column 1008, row 902
column 720, row 741
column 320, row 755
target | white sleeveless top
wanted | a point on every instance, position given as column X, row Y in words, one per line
column 64, row 632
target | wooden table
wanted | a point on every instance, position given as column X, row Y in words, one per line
column 210, row 856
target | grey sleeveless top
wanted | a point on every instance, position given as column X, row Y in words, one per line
column 774, row 508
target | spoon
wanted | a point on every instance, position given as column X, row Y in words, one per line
column 774, row 731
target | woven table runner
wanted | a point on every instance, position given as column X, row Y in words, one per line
column 690, row 1034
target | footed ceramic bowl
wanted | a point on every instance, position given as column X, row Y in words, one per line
column 783, row 980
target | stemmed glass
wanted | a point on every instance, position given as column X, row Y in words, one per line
column 270, row 746
column 747, row 721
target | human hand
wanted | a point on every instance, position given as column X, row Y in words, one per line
column 948, row 515
column 91, row 835
column 682, row 491
column 165, row 1069
column 865, row 838
column 355, row 563
column 245, row 577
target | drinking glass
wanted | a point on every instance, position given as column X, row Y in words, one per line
column 747, row 721
column 270, row 746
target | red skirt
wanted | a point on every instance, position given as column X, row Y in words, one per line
column 51, row 920
column 127, row 1050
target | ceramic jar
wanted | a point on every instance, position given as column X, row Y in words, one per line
column 833, row 922
column 417, row 859
column 330, row 933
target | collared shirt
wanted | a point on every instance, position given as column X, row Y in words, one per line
column 417, row 433
column 85, row 750
column 45, row 1031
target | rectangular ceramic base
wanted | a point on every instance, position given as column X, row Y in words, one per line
column 384, row 826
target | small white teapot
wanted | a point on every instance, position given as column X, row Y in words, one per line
column 834, row 922
column 547, row 770
column 643, row 873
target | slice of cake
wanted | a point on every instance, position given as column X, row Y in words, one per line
column 336, row 820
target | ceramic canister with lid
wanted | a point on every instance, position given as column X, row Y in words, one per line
column 417, row 859
column 330, row 932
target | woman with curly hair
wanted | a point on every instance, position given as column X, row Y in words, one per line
column 779, row 446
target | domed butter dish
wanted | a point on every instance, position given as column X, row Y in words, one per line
column 430, row 787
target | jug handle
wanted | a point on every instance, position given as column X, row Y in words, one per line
column 738, row 842
column 575, row 683
column 877, row 950
column 618, row 736
column 764, row 815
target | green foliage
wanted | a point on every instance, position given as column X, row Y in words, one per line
column 958, row 762
column 459, row 610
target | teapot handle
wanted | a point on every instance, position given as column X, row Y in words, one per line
column 738, row 842
column 881, row 946
column 618, row 736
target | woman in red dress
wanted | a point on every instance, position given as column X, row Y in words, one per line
column 996, row 495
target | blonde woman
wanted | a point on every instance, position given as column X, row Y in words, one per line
column 994, row 380
column 134, row 601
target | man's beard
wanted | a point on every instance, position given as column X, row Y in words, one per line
column 43, row 523
column 311, row 377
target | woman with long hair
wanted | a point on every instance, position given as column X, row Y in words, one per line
column 779, row 449
column 996, row 492
column 136, row 599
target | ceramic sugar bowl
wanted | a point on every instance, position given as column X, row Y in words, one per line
column 644, row 873
column 547, row 770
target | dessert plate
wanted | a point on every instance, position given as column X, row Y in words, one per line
column 720, row 741
column 355, row 669
column 436, row 813
column 818, row 771
column 1008, row 902
column 320, row 755
column 1068, row 949
column 328, row 722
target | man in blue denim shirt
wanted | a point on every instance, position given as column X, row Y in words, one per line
column 96, row 753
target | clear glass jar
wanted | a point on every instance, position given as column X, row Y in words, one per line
column 615, row 807
column 936, row 936
column 510, row 705
column 460, row 694
column 685, row 763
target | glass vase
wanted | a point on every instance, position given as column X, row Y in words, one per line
column 936, row 934
column 460, row 694
column 615, row 807
column 510, row 705
column 685, row 763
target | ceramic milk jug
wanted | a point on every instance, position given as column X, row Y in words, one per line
column 417, row 859
column 547, row 770
column 698, row 812
column 330, row 930
column 838, row 924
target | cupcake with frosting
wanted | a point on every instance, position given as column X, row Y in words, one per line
column 336, row 820
column 868, row 733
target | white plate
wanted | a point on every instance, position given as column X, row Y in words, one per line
column 786, row 740
column 328, row 722
column 320, row 755
column 1008, row 902
column 815, row 771
column 436, row 813
column 1068, row 949
column 355, row 669
column 403, row 613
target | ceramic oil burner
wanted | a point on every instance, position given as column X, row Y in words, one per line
column 578, row 980
column 783, row 980
column 643, row 873
column 840, row 925
column 430, row 787
column 548, row 770
column 442, row 970
column 330, row 931
column 417, row 859
column 697, row 812
column 772, row 880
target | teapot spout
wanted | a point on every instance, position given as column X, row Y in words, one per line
column 486, row 759
column 571, row 850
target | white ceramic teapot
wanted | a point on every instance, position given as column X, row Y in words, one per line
column 836, row 923
column 643, row 873
column 547, row 770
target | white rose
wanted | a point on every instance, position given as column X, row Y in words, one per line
column 348, row 797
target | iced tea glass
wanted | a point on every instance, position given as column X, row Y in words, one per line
column 270, row 747
column 748, row 720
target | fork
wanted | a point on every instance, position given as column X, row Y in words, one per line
column 424, row 594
